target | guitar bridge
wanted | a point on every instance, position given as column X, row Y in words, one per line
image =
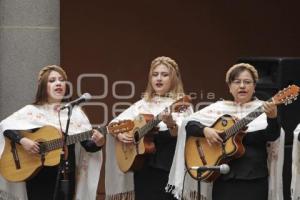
column 137, row 148
column 43, row 150
column 15, row 155
column 223, row 149
column 201, row 152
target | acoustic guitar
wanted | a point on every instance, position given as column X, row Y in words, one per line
column 130, row 155
column 199, row 153
column 16, row 164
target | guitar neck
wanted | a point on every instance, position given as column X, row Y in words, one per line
column 149, row 126
column 237, row 127
column 71, row 139
column 286, row 96
column 153, row 123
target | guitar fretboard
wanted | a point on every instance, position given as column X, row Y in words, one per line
column 71, row 139
column 237, row 127
column 150, row 125
column 153, row 123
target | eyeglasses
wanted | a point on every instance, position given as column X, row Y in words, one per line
column 245, row 82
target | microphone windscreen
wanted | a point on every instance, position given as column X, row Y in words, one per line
column 86, row 96
column 224, row 169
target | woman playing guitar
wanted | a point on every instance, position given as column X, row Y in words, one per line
column 51, row 92
column 149, row 182
column 248, row 176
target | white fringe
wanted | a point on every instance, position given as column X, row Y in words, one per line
column 121, row 196
column 7, row 196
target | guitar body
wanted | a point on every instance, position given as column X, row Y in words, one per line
column 199, row 153
column 16, row 164
column 29, row 163
column 130, row 156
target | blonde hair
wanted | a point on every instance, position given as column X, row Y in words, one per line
column 236, row 69
column 176, row 82
column 41, row 94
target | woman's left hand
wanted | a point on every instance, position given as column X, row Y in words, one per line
column 270, row 109
column 98, row 138
column 168, row 119
column 170, row 122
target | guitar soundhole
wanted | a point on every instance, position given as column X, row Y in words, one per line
column 43, row 148
column 136, row 136
column 224, row 122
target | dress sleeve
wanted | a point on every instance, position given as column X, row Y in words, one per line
column 273, row 129
column 13, row 135
column 194, row 128
column 90, row 146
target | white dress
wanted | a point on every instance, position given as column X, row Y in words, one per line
column 295, row 184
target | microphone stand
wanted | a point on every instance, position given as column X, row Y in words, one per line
column 63, row 184
column 199, row 173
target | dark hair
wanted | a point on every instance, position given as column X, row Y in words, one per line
column 41, row 96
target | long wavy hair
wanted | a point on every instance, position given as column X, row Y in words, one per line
column 41, row 96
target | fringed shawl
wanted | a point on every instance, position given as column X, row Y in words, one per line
column 295, row 184
column 88, row 164
column 208, row 116
column 119, row 185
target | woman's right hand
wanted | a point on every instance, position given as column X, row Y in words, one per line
column 212, row 136
column 125, row 137
column 29, row 145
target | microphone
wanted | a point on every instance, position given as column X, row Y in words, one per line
column 83, row 98
column 223, row 169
